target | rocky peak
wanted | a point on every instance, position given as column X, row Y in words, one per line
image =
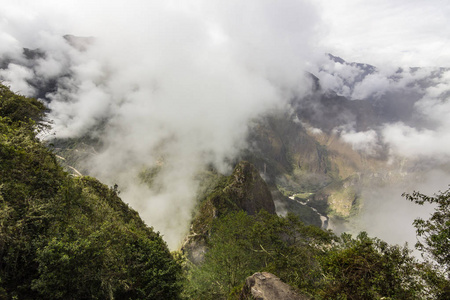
column 249, row 191
column 244, row 190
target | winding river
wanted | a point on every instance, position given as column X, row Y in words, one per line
column 324, row 219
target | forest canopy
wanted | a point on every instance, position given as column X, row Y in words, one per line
column 63, row 237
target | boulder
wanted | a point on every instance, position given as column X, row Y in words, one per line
column 266, row 286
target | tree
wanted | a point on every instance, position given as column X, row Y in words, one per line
column 242, row 244
column 434, row 233
column 69, row 238
column 368, row 268
column 434, row 238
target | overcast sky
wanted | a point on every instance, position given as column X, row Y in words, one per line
column 405, row 32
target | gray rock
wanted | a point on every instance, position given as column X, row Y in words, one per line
column 194, row 247
column 266, row 286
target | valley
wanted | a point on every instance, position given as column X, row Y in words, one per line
column 195, row 158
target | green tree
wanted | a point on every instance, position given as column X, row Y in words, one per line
column 229, row 259
column 368, row 268
column 434, row 238
column 434, row 233
column 69, row 238
column 20, row 108
column 241, row 245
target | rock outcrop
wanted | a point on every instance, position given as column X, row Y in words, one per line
column 244, row 190
column 249, row 191
column 266, row 286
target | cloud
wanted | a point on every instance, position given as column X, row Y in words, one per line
column 389, row 216
column 164, row 83
column 16, row 77
column 411, row 108
column 410, row 142
column 432, row 141
column 363, row 141
column 175, row 83
column 383, row 33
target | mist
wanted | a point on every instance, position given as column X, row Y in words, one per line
column 160, row 84
column 174, row 85
column 412, row 128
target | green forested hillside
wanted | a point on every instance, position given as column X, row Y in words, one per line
column 229, row 242
column 63, row 237
column 318, row 264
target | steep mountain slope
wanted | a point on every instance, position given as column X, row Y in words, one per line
column 243, row 190
column 68, row 238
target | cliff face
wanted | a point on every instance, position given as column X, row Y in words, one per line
column 248, row 190
column 244, row 190
column 297, row 161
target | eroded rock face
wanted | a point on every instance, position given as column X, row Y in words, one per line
column 243, row 190
column 249, row 191
column 266, row 286
column 194, row 247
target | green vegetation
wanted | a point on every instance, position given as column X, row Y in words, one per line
column 368, row 268
column 435, row 232
column 244, row 190
column 65, row 237
column 68, row 238
column 315, row 262
column 241, row 244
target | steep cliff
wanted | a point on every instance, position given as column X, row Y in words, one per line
column 243, row 190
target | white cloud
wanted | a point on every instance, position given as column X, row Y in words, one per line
column 374, row 85
column 383, row 33
column 16, row 77
column 364, row 141
column 434, row 141
column 170, row 80
column 184, row 78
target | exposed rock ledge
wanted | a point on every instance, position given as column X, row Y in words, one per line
column 266, row 286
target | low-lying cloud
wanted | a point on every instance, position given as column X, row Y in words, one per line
column 174, row 85
column 410, row 106
column 160, row 84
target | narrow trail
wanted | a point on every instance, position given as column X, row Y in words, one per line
column 77, row 173
column 323, row 218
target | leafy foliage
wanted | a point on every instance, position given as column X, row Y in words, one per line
column 241, row 245
column 19, row 108
column 315, row 262
column 435, row 232
column 368, row 268
column 68, row 238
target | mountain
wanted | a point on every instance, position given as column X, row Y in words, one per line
column 324, row 150
column 243, row 190
column 64, row 234
column 66, row 237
